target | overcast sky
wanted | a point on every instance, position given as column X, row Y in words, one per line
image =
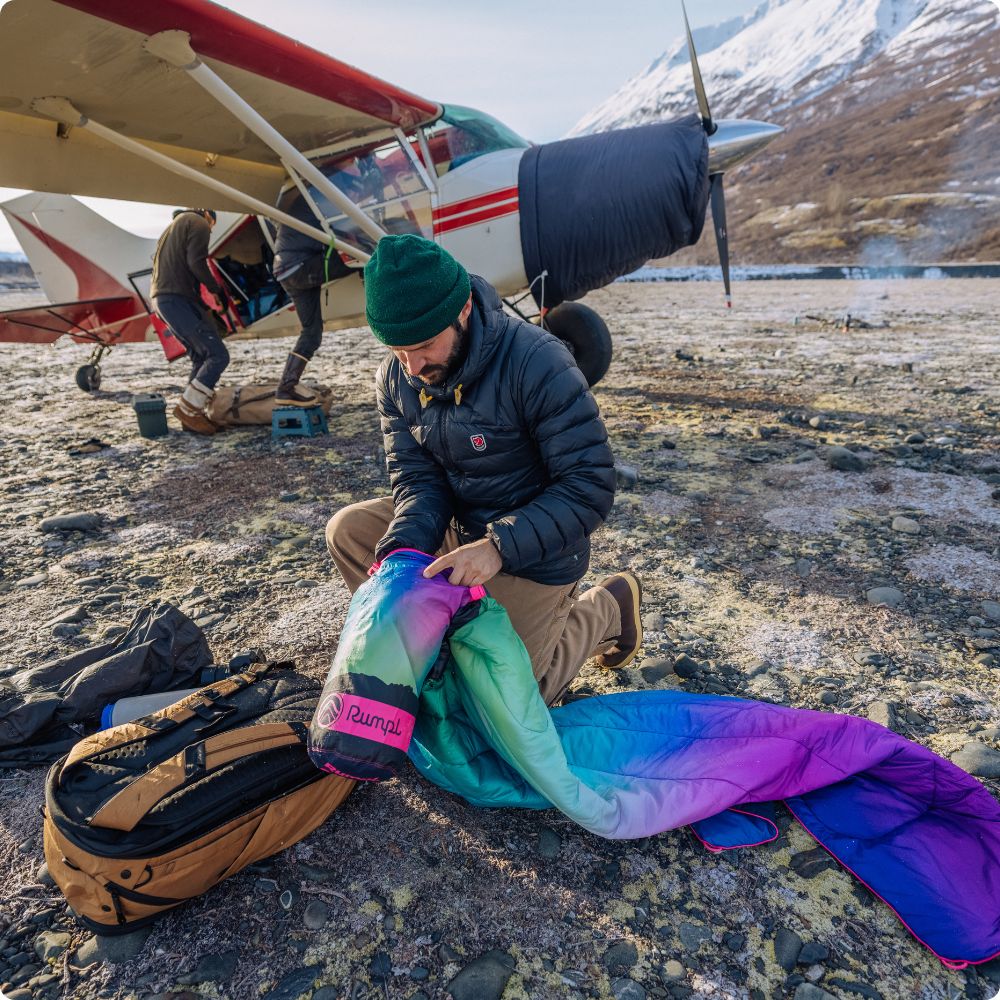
column 537, row 65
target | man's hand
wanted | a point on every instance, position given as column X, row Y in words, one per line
column 470, row 565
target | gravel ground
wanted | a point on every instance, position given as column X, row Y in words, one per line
column 761, row 551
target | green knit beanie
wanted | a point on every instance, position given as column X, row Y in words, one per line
column 414, row 290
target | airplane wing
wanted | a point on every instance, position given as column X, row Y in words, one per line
column 112, row 320
column 90, row 52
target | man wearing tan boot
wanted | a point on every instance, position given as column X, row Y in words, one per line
column 498, row 460
column 179, row 272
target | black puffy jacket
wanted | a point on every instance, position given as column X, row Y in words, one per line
column 512, row 445
column 292, row 247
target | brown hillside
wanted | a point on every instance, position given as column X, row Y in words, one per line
column 900, row 164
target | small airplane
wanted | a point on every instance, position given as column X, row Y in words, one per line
column 228, row 114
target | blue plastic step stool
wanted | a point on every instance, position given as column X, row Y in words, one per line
column 298, row 421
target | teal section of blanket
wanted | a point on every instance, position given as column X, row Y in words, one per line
column 463, row 712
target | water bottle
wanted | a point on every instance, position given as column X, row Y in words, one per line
column 129, row 709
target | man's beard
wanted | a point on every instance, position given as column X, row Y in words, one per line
column 437, row 374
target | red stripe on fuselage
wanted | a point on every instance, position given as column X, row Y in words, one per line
column 474, row 218
column 218, row 33
column 467, row 204
column 92, row 282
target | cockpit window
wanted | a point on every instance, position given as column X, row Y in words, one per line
column 381, row 181
column 462, row 134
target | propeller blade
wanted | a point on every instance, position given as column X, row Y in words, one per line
column 721, row 234
column 699, row 86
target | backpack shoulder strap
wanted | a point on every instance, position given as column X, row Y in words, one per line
column 180, row 711
column 127, row 807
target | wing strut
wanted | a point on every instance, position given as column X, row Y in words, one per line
column 414, row 159
column 174, row 47
column 62, row 110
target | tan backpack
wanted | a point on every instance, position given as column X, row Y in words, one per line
column 146, row 815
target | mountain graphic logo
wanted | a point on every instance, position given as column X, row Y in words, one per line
column 329, row 711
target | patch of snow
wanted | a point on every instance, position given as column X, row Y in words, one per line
column 316, row 620
column 959, row 568
column 662, row 503
column 148, row 537
column 792, row 646
column 223, row 553
column 812, row 499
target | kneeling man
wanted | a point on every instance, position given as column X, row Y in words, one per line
column 498, row 459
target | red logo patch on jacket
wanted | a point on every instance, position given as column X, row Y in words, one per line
column 478, row 442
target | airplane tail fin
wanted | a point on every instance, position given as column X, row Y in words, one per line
column 76, row 253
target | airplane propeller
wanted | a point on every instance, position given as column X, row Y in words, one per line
column 716, row 190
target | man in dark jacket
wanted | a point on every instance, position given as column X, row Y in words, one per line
column 179, row 271
column 303, row 266
column 498, row 460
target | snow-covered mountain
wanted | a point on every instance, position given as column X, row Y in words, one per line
column 892, row 118
column 784, row 53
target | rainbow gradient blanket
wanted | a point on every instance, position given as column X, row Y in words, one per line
column 919, row 832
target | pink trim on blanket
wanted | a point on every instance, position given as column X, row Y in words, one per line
column 376, row 565
column 330, row 769
column 948, row 963
column 477, row 593
column 735, row 847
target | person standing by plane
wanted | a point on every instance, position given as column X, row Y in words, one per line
column 302, row 266
column 498, row 459
column 179, row 271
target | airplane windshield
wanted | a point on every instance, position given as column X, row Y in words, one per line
column 462, row 134
column 381, row 179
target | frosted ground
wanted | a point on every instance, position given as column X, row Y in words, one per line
column 756, row 557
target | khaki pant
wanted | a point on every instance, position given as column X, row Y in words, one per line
column 559, row 627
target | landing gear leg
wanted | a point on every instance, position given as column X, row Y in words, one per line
column 88, row 376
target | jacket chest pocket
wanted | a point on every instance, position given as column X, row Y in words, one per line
column 477, row 446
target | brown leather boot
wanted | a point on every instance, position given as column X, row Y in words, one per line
column 627, row 592
column 192, row 408
column 289, row 392
column 193, row 420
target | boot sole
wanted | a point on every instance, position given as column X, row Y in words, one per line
column 183, row 419
column 636, row 588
